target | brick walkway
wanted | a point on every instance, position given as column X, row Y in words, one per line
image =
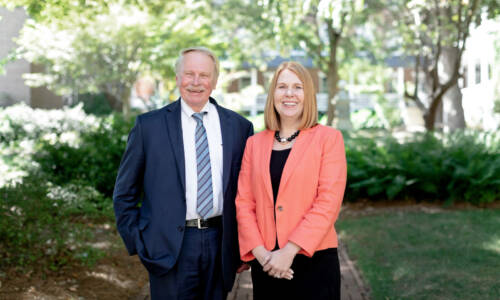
column 352, row 287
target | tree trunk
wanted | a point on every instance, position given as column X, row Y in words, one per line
column 453, row 111
column 125, row 100
column 114, row 103
column 332, row 80
column 433, row 117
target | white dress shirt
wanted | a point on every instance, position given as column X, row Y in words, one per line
column 212, row 126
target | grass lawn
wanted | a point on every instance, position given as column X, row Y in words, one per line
column 418, row 255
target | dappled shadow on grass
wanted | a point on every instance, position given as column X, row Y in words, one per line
column 416, row 253
column 493, row 245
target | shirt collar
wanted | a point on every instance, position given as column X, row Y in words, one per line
column 189, row 111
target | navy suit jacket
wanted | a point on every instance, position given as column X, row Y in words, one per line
column 152, row 173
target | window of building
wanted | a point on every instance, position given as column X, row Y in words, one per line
column 245, row 82
column 477, row 73
column 462, row 80
column 323, row 83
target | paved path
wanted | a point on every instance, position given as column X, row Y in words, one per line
column 352, row 286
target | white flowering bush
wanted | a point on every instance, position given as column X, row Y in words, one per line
column 22, row 128
column 57, row 172
column 23, row 122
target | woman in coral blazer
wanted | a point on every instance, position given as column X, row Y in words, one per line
column 290, row 189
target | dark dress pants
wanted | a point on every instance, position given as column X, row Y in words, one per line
column 198, row 271
column 315, row 278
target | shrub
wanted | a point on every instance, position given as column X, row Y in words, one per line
column 46, row 226
column 47, row 205
column 464, row 166
column 22, row 129
column 96, row 104
column 94, row 161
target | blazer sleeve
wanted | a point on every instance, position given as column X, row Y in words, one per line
column 128, row 188
column 330, row 192
column 248, row 232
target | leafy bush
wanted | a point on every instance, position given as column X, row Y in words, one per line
column 66, row 145
column 22, row 129
column 58, row 169
column 96, row 104
column 464, row 166
column 94, row 161
column 47, row 226
column 21, row 122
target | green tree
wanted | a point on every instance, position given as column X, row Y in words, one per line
column 103, row 54
column 435, row 32
column 325, row 30
column 105, row 49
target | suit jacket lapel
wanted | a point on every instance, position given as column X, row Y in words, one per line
column 265, row 164
column 174, row 129
column 296, row 154
column 227, row 133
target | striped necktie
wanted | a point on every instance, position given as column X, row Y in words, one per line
column 204, row 170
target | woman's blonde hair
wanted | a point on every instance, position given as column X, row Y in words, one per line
column 310, row 112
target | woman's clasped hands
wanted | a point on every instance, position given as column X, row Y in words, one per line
column 277, row 263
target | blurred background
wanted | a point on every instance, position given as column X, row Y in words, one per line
column 413, row 85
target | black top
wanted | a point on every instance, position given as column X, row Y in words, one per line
column 278, row 160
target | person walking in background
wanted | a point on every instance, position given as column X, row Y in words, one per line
column 181, row 164
column 290, row 190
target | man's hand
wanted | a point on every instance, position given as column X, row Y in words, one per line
column 243, row 267
column 281, row 261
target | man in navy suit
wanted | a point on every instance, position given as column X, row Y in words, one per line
column 182, row 164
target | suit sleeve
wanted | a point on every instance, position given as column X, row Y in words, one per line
column 128, row 188
column 330, row 192
column 248, row 232
column 250, row 130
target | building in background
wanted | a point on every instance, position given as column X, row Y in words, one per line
column 12, row 87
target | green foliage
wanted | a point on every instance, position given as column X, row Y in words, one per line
column 94, row 161
column 459, row 167
column 105, row 49
column 58, row 9
column 96, row 104
column 23, row 129
column 46, row 227
column 48, row 206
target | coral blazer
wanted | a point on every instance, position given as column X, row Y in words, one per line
column 309, row 197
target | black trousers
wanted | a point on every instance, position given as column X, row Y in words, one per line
column 316, row 278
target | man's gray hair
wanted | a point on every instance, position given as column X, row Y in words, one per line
column 208, row 52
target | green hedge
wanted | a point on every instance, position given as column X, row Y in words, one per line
column 94, row 161
column 463, row 166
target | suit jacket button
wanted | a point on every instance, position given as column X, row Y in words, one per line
column 280, row 208
column 180, row 228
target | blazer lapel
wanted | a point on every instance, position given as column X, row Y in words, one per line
column 227, row 133
column 267, row 149
column 174, row 129
column 295, row 156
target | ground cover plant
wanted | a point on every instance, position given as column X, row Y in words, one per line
column 422, row 255
column 463, row 166
column 46, row 227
